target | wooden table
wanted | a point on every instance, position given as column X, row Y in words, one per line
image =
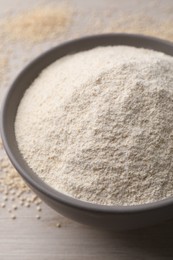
column 28, row 238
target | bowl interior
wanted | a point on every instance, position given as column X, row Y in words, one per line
column 24, row 80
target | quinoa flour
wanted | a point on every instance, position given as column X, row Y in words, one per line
column 98, row 125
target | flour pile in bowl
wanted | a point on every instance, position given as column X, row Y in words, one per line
column 98, row 125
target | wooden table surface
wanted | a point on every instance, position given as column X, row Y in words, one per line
column 28, row 238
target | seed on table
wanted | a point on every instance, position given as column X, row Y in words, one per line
column 14, row 207
column 39, row 208
column 38, row 202
column 34, row 198
column 19, row 194
column 27, row 205
column 6, row 193
column 58, row 225
column 21, row 203
column 3, row 205
column 5, row 198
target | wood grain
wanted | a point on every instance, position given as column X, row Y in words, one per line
column 29, row 238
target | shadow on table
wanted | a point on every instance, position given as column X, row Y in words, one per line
column 150, row 243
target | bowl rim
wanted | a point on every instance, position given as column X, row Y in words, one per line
column 37, row 183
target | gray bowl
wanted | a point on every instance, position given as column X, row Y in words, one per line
column 110, row 217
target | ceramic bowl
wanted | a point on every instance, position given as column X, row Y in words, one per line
column 109, row 217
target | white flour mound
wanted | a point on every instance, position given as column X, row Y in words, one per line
column 98, row 125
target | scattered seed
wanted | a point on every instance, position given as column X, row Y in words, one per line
column 21, row 203
column 34, row 198
column 38, row 216
column 38, row 202
column 12, row 192
column 14, row 207
column 13, row 216
column 39, row 208
column 5, row 198
column 3, row 205
column 58, row 225
column 27, row 205
column 19, row 194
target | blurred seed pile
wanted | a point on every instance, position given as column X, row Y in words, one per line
column 39, row 24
